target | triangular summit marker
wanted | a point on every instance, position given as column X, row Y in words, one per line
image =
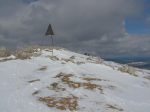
column 49, row 30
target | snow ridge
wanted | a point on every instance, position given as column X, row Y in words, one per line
column 71, row 82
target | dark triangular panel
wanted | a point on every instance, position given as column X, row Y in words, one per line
column 49, row 30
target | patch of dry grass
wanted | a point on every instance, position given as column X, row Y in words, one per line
column 95, row 60
column 128, row 69
column 4, row 52
column 91, row 86
column 23, row 55
column 55, row 86
column 70, row 102
column 34, row 50
column 66, row 79
column 91, row 79
column 63, row 74
column 28, row 52
column 61, row 103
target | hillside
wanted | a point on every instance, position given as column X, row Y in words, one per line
column 71, row 82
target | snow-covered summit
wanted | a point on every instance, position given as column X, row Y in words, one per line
column 71, row 82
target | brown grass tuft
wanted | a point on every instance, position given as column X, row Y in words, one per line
column 4, row 52
column 91, row 79
column 66, row 79
column 61, row 103
column 27, row 53
column 90, row 86
column 62, row 75
column 23, row 55
column 128, row 69
column 55, row 86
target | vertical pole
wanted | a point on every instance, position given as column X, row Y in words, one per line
column 52, row 44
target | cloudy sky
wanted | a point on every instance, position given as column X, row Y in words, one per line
column 103, row 27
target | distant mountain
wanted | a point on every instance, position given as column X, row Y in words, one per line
column 140, row 62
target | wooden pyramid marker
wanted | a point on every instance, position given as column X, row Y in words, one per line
column 50, row 33
column 49, row 30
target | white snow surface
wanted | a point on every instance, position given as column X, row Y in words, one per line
column 125, row 92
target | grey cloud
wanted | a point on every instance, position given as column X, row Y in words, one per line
column 82, row 25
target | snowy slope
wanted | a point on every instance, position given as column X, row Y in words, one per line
column 71, row 82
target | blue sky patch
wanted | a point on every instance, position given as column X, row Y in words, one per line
column 139, row 25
